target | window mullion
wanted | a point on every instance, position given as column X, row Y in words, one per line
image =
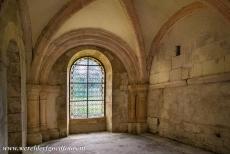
column 87, row 87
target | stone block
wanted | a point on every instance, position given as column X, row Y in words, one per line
column 177, row 61
column 159, row 77
column 163, row 77
column 155, row 100
column 161, row 66
column 185, row 73
column 208, row 52
column 227, row 63
column 15, row 139
column 14, row 105
column 123, row 127
column 141, row 128
column 176, row 74
column 34, row 139
column 14, row 69
column 154, row 78
column 197, row 70
column 45, row 136
column 14, row 89
column 153, row 124
column 14, row 122
column 132, row 128
column 213, row 66
column 191, row 128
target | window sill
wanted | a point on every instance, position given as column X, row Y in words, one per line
column 89, row 120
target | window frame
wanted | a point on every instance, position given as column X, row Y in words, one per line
column 104, row 84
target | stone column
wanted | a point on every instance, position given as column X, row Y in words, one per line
column 34, row 135
column 137, row 108
column 43, row 102
column 43, row 114
column 52, row 127
column 131, row 110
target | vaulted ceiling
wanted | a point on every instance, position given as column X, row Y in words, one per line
column 115, row 16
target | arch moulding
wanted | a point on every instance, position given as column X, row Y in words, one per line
column 183, row 12
column 43, row 64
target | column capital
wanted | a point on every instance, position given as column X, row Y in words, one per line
column 33, row 88
column 50, row 89
column 138, row 87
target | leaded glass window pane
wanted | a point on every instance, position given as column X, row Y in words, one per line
column 78, row 74
column 78, row 110
column 96, row 108
column 96, row 91
column 96, row 75
column 78, row 92
column 86, row 89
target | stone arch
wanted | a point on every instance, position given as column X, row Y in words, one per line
column 53, row 95
column 56, row 22
column 88, row 36
column 26, row 31
column 219, row 5
column 72, row 7
column 185, row 11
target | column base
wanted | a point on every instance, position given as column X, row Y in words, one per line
column 54, row 133
column 137, row 128
column 132, row 128
column 45, row 136
column 34, row 139
column 141, row 128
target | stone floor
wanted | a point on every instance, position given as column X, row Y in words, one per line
column 110, row 143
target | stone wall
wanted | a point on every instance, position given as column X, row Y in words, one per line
column 12, row 77
column 189, row 93
column 14, row 108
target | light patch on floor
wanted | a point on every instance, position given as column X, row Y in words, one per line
column 116, row 143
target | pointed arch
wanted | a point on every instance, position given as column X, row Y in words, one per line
column 55, row 23
column 183, row 12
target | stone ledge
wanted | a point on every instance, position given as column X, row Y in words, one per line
column 198, row 80
column 138, row 87
column 168, row 84
column 209, row 79
column 50, row 89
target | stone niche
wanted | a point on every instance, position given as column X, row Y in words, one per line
column 116, row 117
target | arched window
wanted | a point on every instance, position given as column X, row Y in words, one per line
column 86, row 89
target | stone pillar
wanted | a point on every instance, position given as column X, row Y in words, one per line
column 137, row 108
column 43, row 114
column 52, row 127
column 43, row 102
column 34, row 135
